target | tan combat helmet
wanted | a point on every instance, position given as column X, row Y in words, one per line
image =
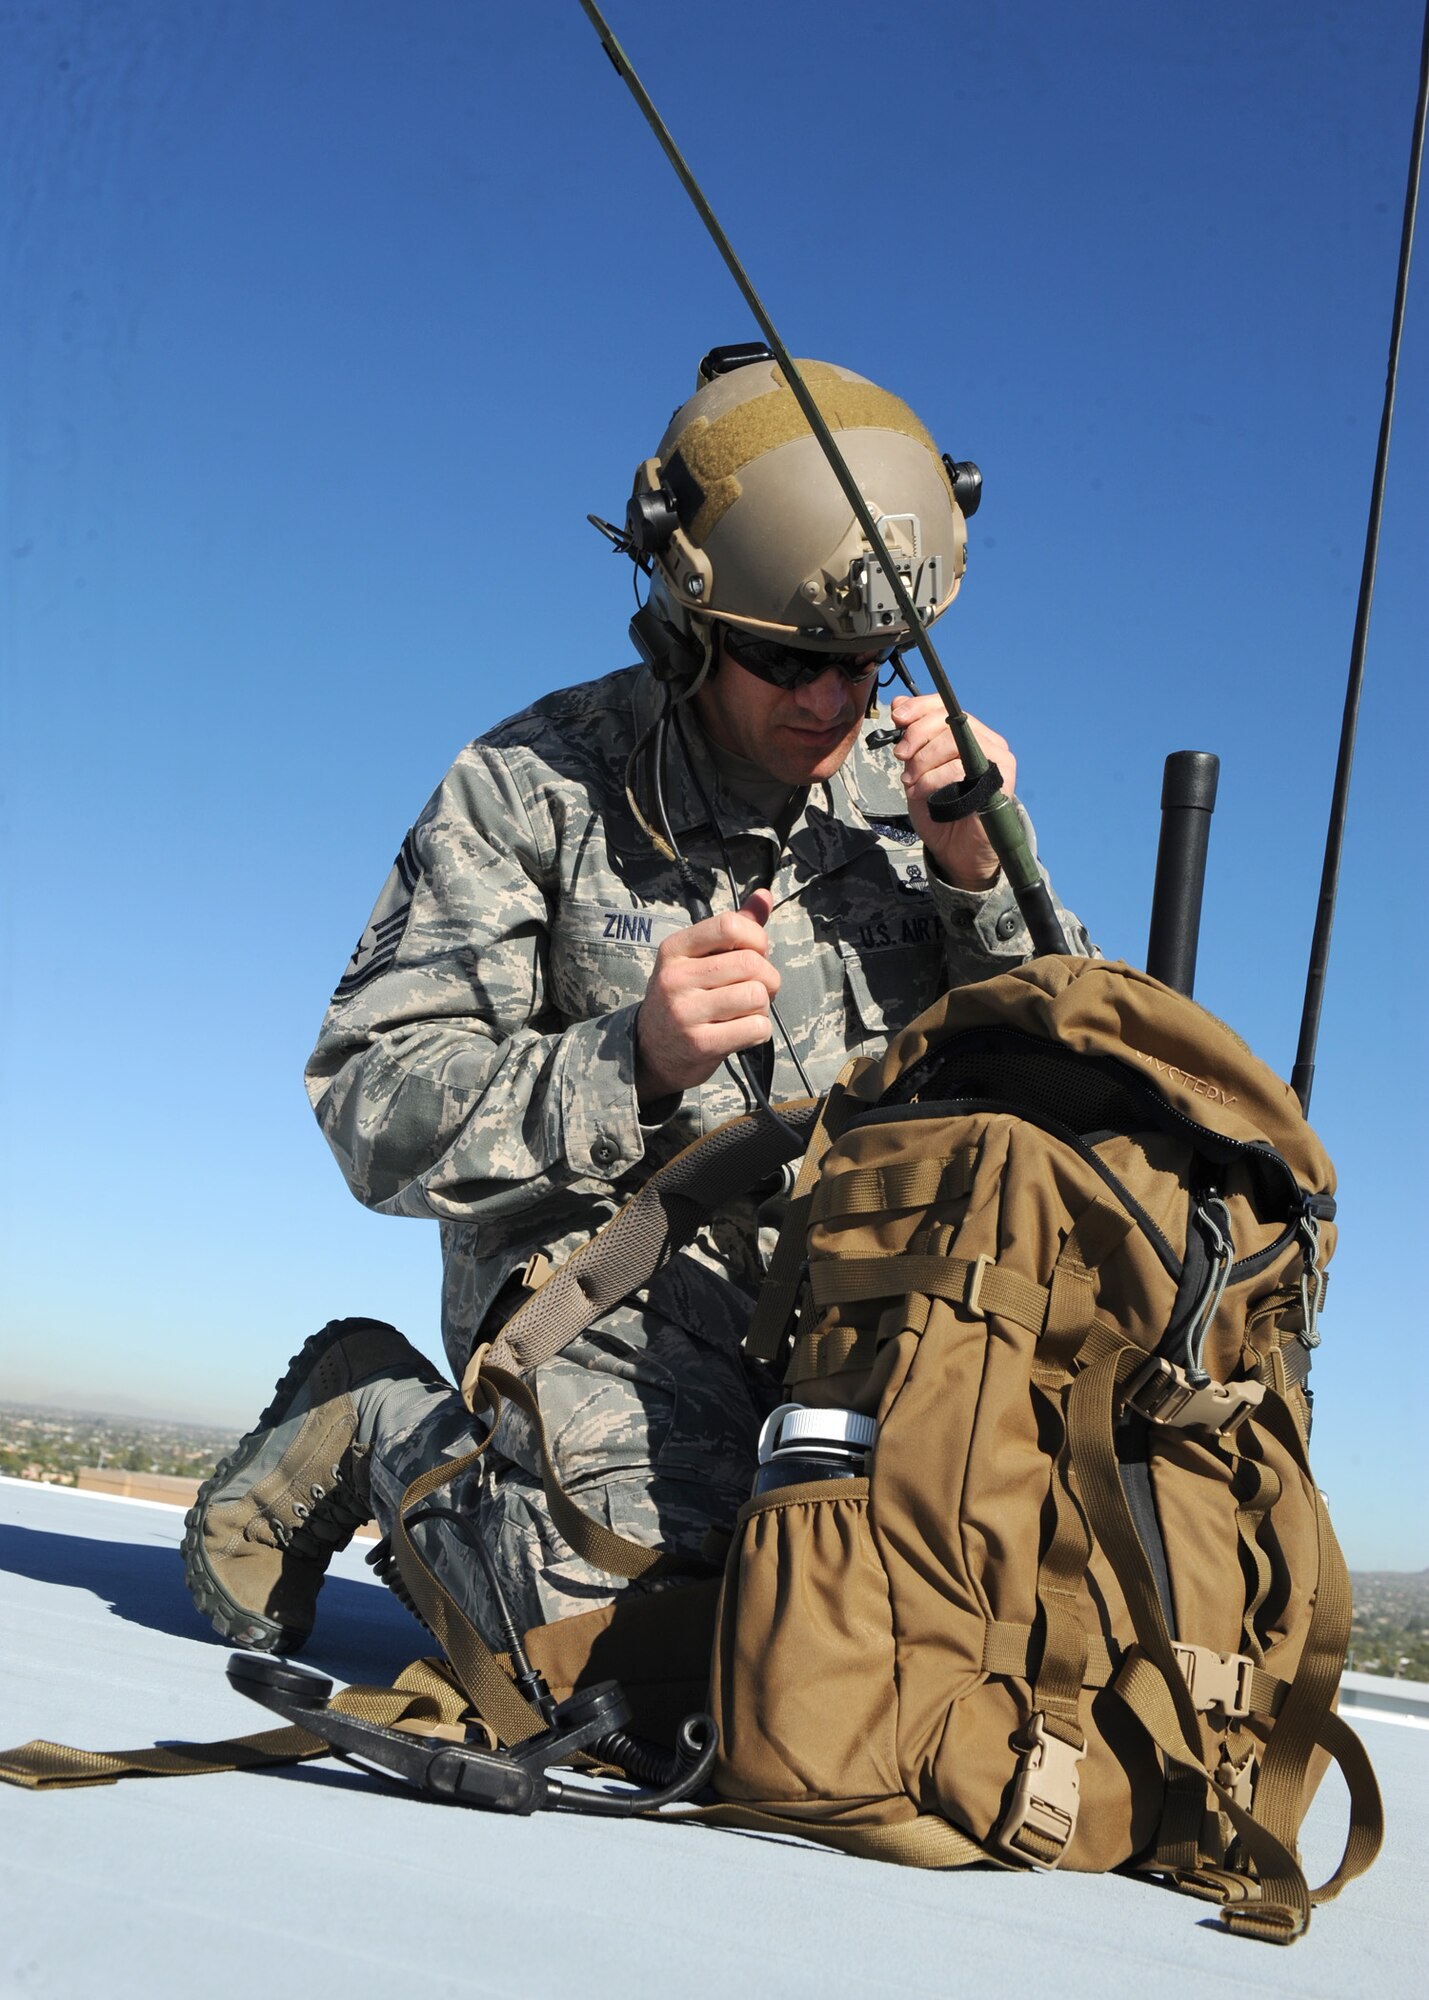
column 742, row 521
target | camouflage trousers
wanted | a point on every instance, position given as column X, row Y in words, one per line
column 651, row 1421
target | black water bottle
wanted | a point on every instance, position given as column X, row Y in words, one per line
column 798, row 1444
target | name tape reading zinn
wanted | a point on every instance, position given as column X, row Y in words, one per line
column 638, row 926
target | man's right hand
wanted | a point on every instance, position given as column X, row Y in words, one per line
column 709, row 995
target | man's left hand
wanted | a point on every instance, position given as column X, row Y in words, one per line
column 930, row 761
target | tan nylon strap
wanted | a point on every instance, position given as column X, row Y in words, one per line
column 1280, row 1788
column 1280, row 1910
column 824, row 1350
column 924, row 1842
column 1093, row 1456
column 1062, row 1670
column 1365, row 1834
column 847, row 1280
column 44, row 1766
column 1365, row 1831
column 779, row 1293
column 628, row 1250
column 1267, row 1692
column 1102, row 1341
column 1093, row 1460
column 1261, row 1488
column 1072, row 1297
column 421, row 1697
column 592, row 1541
column 904, row 1184
column 490, row 1690
column 1071, row 1314
column 1009, row 1648
column 1036, row 1825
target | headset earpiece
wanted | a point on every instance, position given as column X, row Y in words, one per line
column 966, row 482
column 651, row 519
column 670, row 655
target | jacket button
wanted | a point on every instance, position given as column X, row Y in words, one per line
column 603, row 1152
column 1007, row 924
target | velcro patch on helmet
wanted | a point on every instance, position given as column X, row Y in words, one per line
column 708, row 456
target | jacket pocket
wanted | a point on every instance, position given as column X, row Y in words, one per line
column 888, row 984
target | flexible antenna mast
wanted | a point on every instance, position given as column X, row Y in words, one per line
column 1302, row 1077
column 998, row 814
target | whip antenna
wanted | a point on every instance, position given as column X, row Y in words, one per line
column 1302, row 1077
column 998, row 814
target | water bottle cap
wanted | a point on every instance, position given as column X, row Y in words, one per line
column 794, row 1424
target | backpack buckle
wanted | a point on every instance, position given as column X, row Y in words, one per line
column 977, row 1271
column 1046, row 1797
column 1238, row 1779
column 1219, row 1681
column 534, row 1272
column 1165, row 1394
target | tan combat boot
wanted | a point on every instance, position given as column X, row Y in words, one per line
column 259, row 1537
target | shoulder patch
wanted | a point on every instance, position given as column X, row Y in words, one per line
column 407, row 864
column 377, row 947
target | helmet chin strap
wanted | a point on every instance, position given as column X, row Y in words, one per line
column 713, row 648
column 896, row 671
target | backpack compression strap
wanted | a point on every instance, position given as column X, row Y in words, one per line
column 1153, row 1684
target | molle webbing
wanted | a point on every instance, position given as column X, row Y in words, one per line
column 703, row 469
column 849, row 1280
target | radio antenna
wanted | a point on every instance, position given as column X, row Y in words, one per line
column 1302, row 1077
column 981, row 790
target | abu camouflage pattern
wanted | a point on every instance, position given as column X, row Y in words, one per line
column 477, row 1064
column 651, row 1423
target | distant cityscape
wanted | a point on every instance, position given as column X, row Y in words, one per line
column 54, row 1446
column 1390, row 1634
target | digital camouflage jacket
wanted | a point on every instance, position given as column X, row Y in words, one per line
column 476, row 1063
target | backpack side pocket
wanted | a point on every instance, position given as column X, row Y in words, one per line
column 804, row 1684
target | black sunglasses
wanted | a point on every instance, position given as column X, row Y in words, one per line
column 795, row 666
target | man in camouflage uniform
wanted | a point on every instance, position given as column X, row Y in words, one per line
column 609, row 897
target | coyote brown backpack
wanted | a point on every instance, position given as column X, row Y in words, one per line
column 1066, row 1244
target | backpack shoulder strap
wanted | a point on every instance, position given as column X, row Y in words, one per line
column 626, row 1252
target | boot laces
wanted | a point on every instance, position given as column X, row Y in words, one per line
column 326, row 1520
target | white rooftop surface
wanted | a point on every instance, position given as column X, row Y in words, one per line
column 316, row 1879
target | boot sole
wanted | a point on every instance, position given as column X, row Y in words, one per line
column 231, row 1621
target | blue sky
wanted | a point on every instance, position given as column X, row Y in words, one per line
column 326, row 324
